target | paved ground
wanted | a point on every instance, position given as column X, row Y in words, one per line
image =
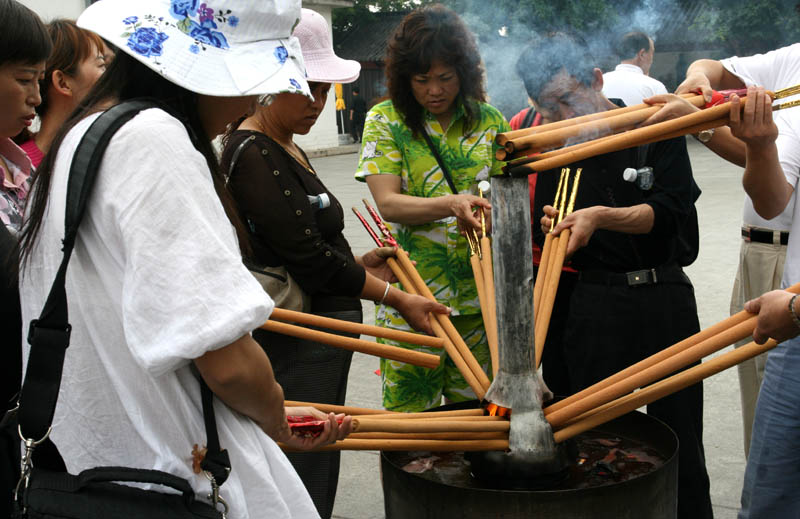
column 719, row 208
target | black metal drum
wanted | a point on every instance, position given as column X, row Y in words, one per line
column 652, row 495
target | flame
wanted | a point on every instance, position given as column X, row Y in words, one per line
column 496, row 410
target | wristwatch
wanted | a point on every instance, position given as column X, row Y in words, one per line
column 704, row 135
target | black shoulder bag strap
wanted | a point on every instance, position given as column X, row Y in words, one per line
column 49, row 334
column 445, row 171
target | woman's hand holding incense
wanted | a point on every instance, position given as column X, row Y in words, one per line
column 332, row 430
column 466, row 209
column 415, row 309
column 374, row 262
column 550, row 213
column 674, row 106
column 774, row 318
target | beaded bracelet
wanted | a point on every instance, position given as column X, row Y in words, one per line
column 385, row 293
column 795, row 317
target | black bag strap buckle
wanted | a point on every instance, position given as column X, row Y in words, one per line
column 36, row 325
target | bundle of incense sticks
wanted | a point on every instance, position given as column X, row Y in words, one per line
column 403, row 268
column 459, row 430
column 599, row 133
column 618, row 395
column 554, row 253
column 483, row 272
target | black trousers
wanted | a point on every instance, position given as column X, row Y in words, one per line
column 610, row 327
column 312, row 372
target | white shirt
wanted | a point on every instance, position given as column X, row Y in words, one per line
column 155, row 280
column 629, row 83
column 776, row 70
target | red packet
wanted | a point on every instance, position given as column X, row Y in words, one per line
column 306, row 426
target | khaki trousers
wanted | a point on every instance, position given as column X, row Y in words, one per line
column 760, row 270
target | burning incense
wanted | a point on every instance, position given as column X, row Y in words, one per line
column 544, row 140
column 445, row 322
column 416, row 358
column 631, row 138
column 371, row 232
column 411, row 445
column 387, row 235
column 554, row 245
column 658, row 371
column 665, row 387
column 487, row 273
column 280, row 314
column 551, row 288
column 429, row 436
column 503, row 138
column 661, row 356
column 428, row 426
column 548, row 240
column 338, row 409
column 457, row 413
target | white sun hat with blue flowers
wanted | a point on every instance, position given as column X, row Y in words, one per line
column 211, row 47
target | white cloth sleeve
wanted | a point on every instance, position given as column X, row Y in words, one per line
column 185, row 289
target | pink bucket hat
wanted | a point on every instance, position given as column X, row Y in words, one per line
column 322, row 65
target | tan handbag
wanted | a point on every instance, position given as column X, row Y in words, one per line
column 281, row 287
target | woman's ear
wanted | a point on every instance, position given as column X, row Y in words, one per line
column 61, row 83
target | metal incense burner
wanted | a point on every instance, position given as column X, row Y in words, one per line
column 533, row 458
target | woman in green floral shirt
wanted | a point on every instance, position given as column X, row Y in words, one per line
column 435, row 82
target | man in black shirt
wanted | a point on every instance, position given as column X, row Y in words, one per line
column 628, row 243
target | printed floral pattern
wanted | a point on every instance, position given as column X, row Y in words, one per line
column 147, row 41
column 295, row 84
column 281, row 54
column 197, row 21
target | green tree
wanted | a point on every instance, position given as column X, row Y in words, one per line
column 745, row 27
column 363, row 11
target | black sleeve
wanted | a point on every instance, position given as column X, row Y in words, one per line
column 274, row 204
column 10, row 318
column 674, row 191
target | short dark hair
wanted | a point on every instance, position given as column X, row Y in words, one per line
column 631, row 43
column 23, row 36
column 544, row 59
column 428, row 34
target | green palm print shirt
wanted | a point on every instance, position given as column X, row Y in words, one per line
column 441, row 253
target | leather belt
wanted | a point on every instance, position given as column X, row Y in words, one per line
column 765, row 236
column 658, row 275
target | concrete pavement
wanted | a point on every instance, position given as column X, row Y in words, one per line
column 719, row 208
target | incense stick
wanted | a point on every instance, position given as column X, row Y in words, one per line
column 281, row 314
column 545, row 258
column 665, row 387
column 428, row 426
column 386, row 351
column 411, row 445
column 346, row 409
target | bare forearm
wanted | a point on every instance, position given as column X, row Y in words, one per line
column 637, row 219
column 240, row 374
column 724, row 144
column 764, row 181
column 414, row 210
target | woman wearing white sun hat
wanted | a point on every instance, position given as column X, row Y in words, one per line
column 271, row 181
column 157, row 289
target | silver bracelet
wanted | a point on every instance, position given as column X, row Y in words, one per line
column 795, row 317
column 385, row 292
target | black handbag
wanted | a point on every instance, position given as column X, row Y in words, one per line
column 45, row 489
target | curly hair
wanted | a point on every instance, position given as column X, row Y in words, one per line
column 433, row 33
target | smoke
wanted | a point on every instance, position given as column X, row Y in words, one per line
column 502, row 35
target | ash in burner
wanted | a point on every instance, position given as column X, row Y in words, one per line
column 601, row 460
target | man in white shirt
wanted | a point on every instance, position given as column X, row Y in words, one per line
column 630, row 81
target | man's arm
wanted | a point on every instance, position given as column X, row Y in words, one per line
column 763, row 178
column 637, row 219
column 708, row 74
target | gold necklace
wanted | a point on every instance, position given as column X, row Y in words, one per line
column 296, row 156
